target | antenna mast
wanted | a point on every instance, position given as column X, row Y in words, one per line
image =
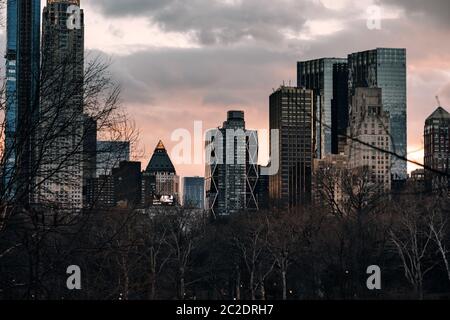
column 438, row 101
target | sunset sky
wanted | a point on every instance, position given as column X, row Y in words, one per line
column 181, row 61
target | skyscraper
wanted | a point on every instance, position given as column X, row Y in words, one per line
column 166, row 181
column 318, row 75
column 61, row 120
column 385, row 68
column 369, row 131
column 231, row 167
column 339, row 108
column 291, row 112
column 22, row 94
column 437, row 151
column 194, row 192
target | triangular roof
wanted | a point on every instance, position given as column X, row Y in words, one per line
column 160, row 161
column 439, row 113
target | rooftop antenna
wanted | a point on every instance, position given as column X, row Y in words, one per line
column 438, row 101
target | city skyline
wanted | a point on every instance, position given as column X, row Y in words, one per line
column 252, row 63
column 232, row 150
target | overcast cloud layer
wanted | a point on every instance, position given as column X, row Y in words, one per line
column 181, row 61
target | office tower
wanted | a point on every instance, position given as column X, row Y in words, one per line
column 370, row 136
column 385, row 69
column 127, row 184
column 291, row 113
column 22, row 95
column 339, row 108
column 194, row 192
column 110, row 154
column 318, row 75
column 231, row 167
column 437, row 151
column 167, row 183
column 61, row 118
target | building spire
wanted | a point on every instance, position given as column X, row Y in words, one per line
column 160, row 146
column 438, row 101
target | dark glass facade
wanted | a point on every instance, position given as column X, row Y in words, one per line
column 22, row 98
column 339, row 108
column 194, row 192
column 385, row 68
column 291, row 114
column 318, row 75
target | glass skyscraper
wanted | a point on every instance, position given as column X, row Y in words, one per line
column 22, row 98
column 231, row 167
column 317, row 75
column 193, row 192
column 385, row 68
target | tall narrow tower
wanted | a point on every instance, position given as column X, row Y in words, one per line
column 60, row 138
column 437, row 151
column 291, row 113
column 231, row 174
column 22, row 98
column 385, row 68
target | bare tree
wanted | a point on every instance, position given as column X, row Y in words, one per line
column 250, row 238
column 413, row 239
column 439, row 227
column 184, row 228
column 30, row 200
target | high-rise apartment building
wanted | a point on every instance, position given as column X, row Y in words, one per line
column 59, row 139
column 369, row 137
column 194, row 192
column 231, row 167
column 22, row 95
column 437, row 151
column 291, row 113
column 385, row 68
column 318, row 75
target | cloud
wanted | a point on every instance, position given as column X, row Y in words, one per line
column 429, row 11
column 223, row 99
column 220, row 21
column 236, row 51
